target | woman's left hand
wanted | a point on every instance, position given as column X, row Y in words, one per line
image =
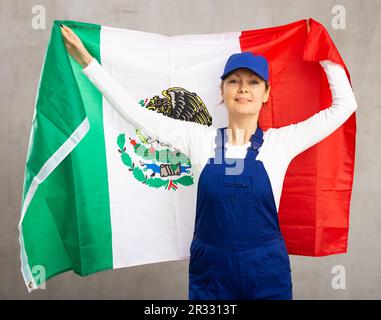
column 75, row 47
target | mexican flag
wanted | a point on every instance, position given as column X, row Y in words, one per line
column 101, row 194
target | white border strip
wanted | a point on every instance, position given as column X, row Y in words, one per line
column 44, row 172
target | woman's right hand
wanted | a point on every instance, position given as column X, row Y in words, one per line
column 75, row 46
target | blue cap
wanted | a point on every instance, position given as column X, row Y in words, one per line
column 248, row 60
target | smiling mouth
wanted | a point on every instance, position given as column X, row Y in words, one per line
column 242, row 100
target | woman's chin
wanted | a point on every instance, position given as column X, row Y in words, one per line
column 243, row 110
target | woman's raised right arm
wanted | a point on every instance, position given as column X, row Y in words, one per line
column 188, row 137
column 193, row 139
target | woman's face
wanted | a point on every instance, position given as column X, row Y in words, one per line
column 244, row 92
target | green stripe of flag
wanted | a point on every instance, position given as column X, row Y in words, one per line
column 65, row 183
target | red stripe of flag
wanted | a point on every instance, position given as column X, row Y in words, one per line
column 315, row 201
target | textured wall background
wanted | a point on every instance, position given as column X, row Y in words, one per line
column 22, row 52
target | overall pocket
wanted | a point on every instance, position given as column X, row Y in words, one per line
column 232, row 204
column 201, row 276
column 276, row 257
column 236, row 185
column 275, row 271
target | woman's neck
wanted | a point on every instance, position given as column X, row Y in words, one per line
column 240, row 130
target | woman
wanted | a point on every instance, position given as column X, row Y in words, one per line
column 238, row 251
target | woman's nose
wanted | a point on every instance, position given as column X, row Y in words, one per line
column 241, row 90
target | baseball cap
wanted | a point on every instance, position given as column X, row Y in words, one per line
column 248, row 60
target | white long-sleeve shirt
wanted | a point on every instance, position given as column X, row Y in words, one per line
column 280, row 145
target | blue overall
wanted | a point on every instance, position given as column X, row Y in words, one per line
column 237, row 251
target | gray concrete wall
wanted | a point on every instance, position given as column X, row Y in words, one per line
column 22, row 50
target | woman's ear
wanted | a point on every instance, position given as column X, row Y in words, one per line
column 222, row 91
column 267, row 95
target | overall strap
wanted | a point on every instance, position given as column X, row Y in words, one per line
column 256, row 143
column 219, row 150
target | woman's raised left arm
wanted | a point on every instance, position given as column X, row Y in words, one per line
column 296, row 138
